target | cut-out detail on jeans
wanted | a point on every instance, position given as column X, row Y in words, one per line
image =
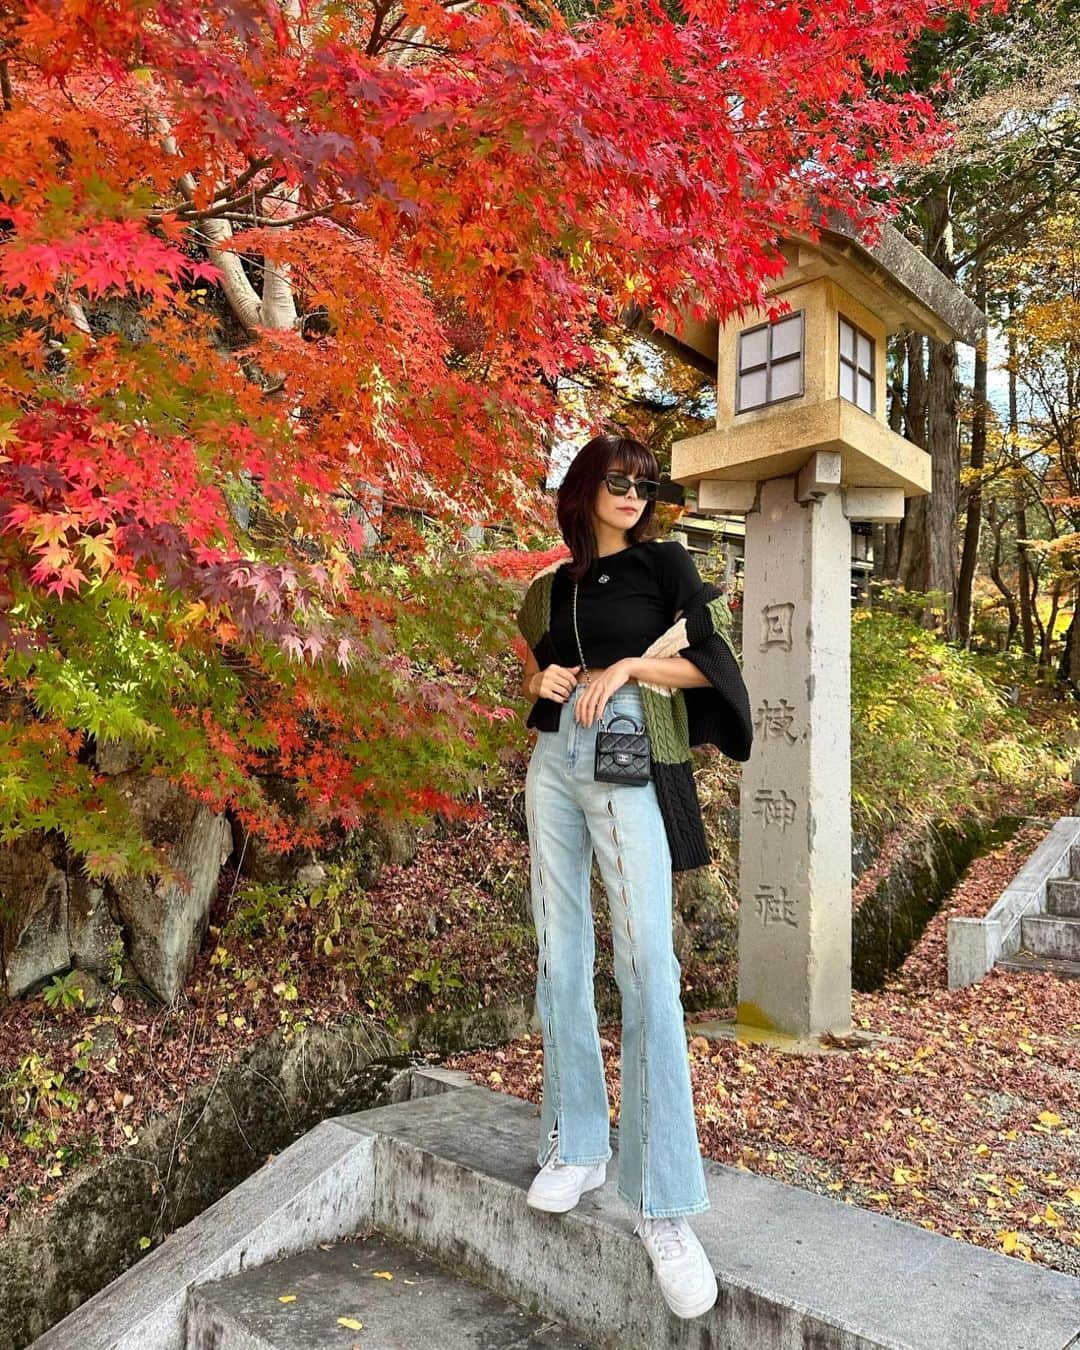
column 618, row 864
column 629, row 930
column 625, row 897
column 610, row 807
column 614, row 837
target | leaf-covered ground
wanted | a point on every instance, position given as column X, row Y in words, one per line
column 960, row 1112
column 433, row 936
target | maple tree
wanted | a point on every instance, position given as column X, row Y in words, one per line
column 264, row 264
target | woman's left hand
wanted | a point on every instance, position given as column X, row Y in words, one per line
column 597, row 692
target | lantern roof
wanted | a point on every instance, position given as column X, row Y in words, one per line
column 891, row 277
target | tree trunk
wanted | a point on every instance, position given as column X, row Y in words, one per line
column 887, row 537
column 1048, row 631
column 1068, row 671
column 973, row 513
column 912, row 570
column 995, row 570
column 1024, row 578
column 942, row 440
column 945, row 477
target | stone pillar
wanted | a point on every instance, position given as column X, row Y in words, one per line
column 795, row 816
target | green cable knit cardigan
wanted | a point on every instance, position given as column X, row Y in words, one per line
column 717, row 714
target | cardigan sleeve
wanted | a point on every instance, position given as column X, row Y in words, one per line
column 719, row 713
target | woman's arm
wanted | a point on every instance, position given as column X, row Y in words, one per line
column 531, row 669
column 554, row 682
column 672, row 672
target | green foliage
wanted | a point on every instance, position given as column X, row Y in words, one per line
column 34, row 1095
column 435, row 977
column 933, row 727
column 413, row 727
column 64, row 991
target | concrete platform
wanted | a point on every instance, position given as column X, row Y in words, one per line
column 446, row 1172
column 422, row 1307
column 795, row 1268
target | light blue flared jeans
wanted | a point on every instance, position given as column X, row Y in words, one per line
column 570, row 815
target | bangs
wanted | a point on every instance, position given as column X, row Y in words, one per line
column 633, row 459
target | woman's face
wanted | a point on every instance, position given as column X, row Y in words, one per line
column 620, row 513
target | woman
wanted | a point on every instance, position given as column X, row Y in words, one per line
column 618, row 648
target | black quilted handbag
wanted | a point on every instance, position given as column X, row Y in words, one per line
column 621, row 756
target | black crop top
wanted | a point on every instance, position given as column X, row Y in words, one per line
column 626, row 600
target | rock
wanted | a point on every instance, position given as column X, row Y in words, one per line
column 682, row 940
column 92, row 934
column 115, row 757
column 164, row 922
column 94, row 991
column 705, row 907
column 310, row 875
column 255, row 860
column 377, row 842
column 33, row 911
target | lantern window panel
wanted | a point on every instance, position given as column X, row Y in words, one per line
column 857, row 356
column 770, row 360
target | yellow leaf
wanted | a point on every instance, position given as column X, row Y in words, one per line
column 351, row 1323
column 1049, row 1118
column 382, row 1275
column 1009, row 1241
column 286, row 1298
column 1025, row 1047
column 833, row 1185
column 1073, row 1195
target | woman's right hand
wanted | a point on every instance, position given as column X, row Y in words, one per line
column 555, row 682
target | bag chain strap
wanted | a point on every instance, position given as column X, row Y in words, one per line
column 584, row 667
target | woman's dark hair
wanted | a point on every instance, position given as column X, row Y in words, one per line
column 577, row 494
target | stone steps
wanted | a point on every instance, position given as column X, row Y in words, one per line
column 1063, row 897
column 1052, row 935
column 423, row 1307
column 1028, row 961
column 1035, row 918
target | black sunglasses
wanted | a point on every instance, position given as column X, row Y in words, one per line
column 618, row 484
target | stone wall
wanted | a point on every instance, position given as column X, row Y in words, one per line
column 928, row 865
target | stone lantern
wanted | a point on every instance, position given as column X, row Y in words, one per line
column 803, row 449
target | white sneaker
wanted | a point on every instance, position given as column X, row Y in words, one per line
column 557, row 1187
column 686, row 1276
